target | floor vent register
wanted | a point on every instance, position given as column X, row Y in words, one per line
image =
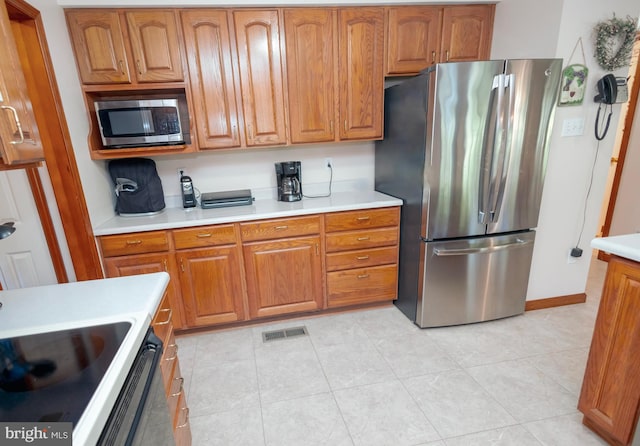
column 284, row 333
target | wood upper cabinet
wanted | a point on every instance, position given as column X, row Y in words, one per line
column 610, row 396
column 212, row 289
column 420, row 36
column 155, row 45
column 99, row 37
column 213, row 85
column 466, row 33
column 257, row 34
column 311, row 65
column 19, row 136
column 413, row 38
column 361, row 72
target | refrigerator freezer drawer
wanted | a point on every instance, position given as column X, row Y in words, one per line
column 475, row 280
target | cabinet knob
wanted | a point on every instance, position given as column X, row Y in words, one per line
column 362, row 258
column 366, row 218
column 362, row 239
column 433, row 57
column 204, row 235
column 447, row 55
column 133, row 242
column 186, row 418
column 363, row 276
column 139, row 67
column 281, row 228
column 121, row 65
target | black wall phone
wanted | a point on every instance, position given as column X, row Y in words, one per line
column 188, row 194
column 607, row 94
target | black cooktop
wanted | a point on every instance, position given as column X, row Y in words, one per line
column 49, row 377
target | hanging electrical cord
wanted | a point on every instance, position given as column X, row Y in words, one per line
column 330, row 182
column 577, row 251
column 600, row 136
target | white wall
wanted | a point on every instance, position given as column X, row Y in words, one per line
column 626, row 218
column 571, row 158
column 523, row 28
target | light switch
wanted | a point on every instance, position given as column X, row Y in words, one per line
column 573, row 127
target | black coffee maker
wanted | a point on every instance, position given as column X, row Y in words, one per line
column 289, row 186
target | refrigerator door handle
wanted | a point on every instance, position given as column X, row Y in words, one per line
column 499, row 148
column 486, row 157
column 483, row 250
column 505, row 147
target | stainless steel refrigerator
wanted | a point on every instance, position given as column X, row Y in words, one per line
column 466, row 148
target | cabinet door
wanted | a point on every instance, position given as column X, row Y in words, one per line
column 283, row 276
column 149, row 263
column 309, row 35
column 211, row 282
column 98, row 46
column 466, row 33
column 361, row 37
column 19, row 136
column 208, row 47
column 610, row 394
column 259, row 58
column 413, row 36
column 155, row 45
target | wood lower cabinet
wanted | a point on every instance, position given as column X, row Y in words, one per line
column 362, row 256
column 19, row 135
column 610, row 396
column 149, row 263
column 212, row 291
column 171, row 375
column 283, row 272
column 227, row 273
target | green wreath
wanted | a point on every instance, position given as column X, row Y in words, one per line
column 607, row 34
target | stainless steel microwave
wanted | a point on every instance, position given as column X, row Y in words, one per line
column 139, row 123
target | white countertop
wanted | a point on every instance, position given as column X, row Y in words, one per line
column 171, row 218
column 50, row 308
column 627, row 246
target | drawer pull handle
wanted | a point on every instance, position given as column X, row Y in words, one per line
column 362, row 239
column 134, row 242
column 362, row 258
column 175, row 352
column 204, row 235
column 186, row 421
column 280, row 228
column 364, row 218
column 363, row 276
column 181, row 379
column 168, row 311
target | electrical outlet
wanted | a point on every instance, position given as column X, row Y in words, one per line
column 573, row 127
column 328, row 162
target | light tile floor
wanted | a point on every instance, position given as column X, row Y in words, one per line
column 371, row 378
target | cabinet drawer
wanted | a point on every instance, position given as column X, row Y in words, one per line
column 280, row 228
column 362, row 285
column 174, row 388
column 161, row 322
column 137, row 243
column 344, row 241
column 204, row 236
column 368, row 218
column 169, row 356
column 361, row 258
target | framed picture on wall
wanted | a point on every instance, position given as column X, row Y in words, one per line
column 574, row 82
